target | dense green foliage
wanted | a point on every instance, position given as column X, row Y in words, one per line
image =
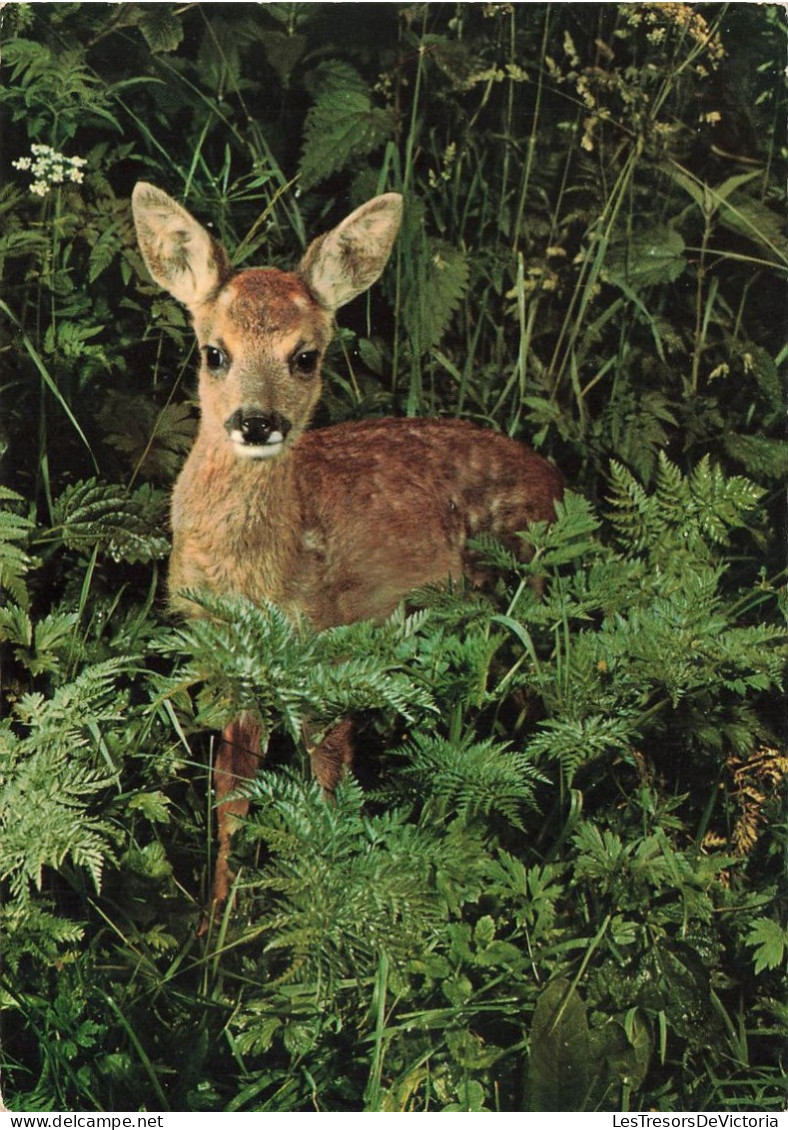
column 559, row 880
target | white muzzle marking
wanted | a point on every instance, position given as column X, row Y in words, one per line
column 272, row 446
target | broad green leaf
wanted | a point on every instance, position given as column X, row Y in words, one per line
column 561, row 1064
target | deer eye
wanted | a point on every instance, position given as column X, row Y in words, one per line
column 304, row 362
column 215, row 358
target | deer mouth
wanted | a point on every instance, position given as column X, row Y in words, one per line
column 257, row 435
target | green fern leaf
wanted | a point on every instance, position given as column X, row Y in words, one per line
column 573, row 743
column 16, row 627
column 29, row 928
column 125, row 526
column 721, row 503
column 247, row 656
column 39, row 648
column 636, row 514
column 342, row 888
column 15, row 563
column 153, row 441
column 759, row 454
column 770, row 942
column 468, row 779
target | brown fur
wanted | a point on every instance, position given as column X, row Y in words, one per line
column 334, row 525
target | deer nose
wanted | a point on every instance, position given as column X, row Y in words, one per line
column 254, row 428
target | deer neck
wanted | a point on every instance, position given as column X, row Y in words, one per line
column 233, row 522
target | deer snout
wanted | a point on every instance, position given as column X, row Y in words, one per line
column 257, row 434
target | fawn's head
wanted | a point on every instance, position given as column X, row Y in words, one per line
column 262, row 333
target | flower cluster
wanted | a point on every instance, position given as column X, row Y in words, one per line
column 50, row 168
column 661, row 16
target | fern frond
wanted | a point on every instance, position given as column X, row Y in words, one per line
column 364, row 684
column 636, row 513
column 127, row 526
column 684, row 513
column 38, row 647
column 30, row 929
column 242, row 656
column 760, row 455
column 45, row 820
column 248, row 656
column 62, row 719
column 571, row 537
column 571, row 743
column 469, row 779
column 51, row 781
column 15, row 562
column 342, row 888
column 721, row 503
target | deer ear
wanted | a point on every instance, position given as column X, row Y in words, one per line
column 180, row 254
column 348, row 260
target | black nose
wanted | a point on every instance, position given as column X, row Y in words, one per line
column 256, row 428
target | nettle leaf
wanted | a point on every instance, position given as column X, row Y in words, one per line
column 343, row 124
column 759, row 223
column 649, row 258
column 127, row 526
column 438, row 284
column 283, row 51
column 162, row 29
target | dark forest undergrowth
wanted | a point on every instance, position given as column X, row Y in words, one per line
column 559, row 880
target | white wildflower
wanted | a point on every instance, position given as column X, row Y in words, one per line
column 50, row 168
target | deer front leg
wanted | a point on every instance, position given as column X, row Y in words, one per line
column 332, row 756
column 237, row 760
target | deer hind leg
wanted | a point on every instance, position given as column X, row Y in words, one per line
column 333, row 755
column 237, row 760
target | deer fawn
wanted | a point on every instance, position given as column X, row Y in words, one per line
column 334, row 525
